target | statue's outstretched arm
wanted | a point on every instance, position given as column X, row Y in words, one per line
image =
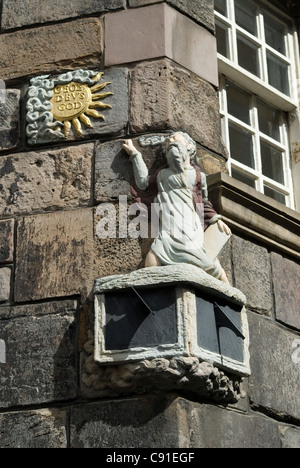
column 141, row 174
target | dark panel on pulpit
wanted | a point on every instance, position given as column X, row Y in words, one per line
column 140, row 318
column 219, row 327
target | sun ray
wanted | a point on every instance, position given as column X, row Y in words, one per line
column 67, row 128
column 100, row 86
column 98, row 76
column 100, row 105
column 101, row 96
column 73, row 102
column 95, row 114
column 86, row 120
column 77, row 126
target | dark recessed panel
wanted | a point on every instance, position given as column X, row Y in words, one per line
column 219, row 327
column 140, row 318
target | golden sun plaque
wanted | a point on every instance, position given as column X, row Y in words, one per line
column 72, row 103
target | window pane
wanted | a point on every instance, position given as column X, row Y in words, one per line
column 275, row 195
column 245, row 16
column 221, row 7
column 272, row 165
column 241, row 146
column 238, row 103
column 222, row 40
column 269, row 122
column 248, row 55
column 275, row 34
column 278, row 74
column 243, row 178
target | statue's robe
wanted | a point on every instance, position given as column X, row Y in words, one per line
column 182, row 210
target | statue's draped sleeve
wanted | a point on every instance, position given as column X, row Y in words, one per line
column 140, row 170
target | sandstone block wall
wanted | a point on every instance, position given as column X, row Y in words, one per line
column 50, row 254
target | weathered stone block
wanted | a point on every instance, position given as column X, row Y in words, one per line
column 200, row 10
column 25, row 12
column 113, row 171
column 34, row 429
column 40, row 356
column 210, row 163
column 139, row 3
column 5, row 279
column 60, row 254
column 213, row 427
column 164, row 96
column 136, row 423
column 251, row 266
column 160, row 31
column 290, row 437
column 9, row 119
column 274, row 382
column 286, row 283
column 117, row 253
column 168, row 422
column 7, row 241
column 53, row 179
column 54, row 48
column 55, row 255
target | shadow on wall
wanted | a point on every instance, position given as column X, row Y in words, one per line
column 138, row 422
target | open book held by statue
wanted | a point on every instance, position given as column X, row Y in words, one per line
column 179, row 191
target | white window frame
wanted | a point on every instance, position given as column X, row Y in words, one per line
column 259, row 86
column 253, row 129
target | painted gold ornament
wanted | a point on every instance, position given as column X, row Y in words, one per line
column 56, row 103
column 74, row 102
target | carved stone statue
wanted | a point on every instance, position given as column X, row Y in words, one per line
column 181, row 191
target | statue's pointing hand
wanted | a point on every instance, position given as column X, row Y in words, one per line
column 129, row 147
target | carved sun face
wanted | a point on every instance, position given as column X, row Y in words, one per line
column 74, row 102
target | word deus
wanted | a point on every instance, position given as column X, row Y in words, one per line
column 138, row 221
column 69, row 98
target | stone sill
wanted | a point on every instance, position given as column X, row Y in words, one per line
column 252, row 213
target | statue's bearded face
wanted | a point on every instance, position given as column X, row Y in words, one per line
column 177, row 152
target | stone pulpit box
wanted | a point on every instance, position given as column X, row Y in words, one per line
column 168, row 312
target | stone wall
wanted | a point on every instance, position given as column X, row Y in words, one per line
column 50, row 254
